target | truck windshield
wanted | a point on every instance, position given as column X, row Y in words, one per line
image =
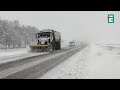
column 44, row 34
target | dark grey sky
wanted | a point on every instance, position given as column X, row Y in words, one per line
column 73, row 25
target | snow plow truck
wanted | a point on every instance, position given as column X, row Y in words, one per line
column 47, row 40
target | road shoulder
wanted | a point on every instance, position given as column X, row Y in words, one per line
column 72, row 68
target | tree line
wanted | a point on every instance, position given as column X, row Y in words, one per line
column 15, row 35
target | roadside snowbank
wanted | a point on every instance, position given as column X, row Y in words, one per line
column 9, row 52
column 17, row 54
column 93, row 62
column 104, row 64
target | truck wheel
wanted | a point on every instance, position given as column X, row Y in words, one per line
column 59, row 46
column 50, row 49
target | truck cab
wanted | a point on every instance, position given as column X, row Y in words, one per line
column 44, row 38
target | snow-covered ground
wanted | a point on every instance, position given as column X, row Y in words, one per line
column 10, row 52
column 104, row 63
column 93, row 62
column 16, row 54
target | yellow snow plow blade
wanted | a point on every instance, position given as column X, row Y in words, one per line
column 38, row 45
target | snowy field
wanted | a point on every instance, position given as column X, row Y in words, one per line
column 93, row 62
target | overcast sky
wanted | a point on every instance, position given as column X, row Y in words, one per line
column 89, row 26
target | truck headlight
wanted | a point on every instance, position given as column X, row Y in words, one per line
column 42, row 42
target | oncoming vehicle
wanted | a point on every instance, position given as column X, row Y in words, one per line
column 71, row 44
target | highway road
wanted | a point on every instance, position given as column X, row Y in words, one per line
column 35, row 66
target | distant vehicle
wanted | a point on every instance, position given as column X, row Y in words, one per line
column 71, row 44
column 47, row 40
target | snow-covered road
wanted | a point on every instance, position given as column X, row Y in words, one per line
column 36, row 66
column 93, row 62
